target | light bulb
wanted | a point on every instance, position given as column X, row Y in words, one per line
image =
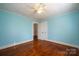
column 39, row 11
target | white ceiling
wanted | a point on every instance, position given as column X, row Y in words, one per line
column 27, row 9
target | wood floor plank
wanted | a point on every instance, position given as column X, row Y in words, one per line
column 40, row 48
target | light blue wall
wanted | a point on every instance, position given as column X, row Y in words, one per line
column 14, row 28
column 64, row 28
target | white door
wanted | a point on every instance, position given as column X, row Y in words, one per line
column 43, row 30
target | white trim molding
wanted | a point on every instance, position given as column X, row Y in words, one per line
column 14, row 44
column 59, row 42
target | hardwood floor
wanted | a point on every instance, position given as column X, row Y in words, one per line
column 40, row 48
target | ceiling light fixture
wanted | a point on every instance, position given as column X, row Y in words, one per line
column 39, row 8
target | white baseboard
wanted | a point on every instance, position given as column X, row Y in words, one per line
column 59, row 42
column 10, row 45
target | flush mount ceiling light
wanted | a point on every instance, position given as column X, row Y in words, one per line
column 39, row 8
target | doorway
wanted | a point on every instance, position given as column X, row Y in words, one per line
column 40, row 31
column 35, row 31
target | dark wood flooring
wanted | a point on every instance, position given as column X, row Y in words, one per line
column 40, row 48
